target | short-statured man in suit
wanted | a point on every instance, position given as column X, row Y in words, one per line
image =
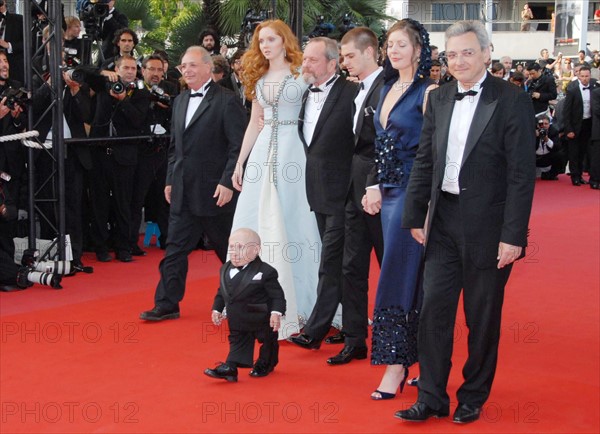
column 207, row 129
column 325, row 128
column 594, row 149
column 474, row 174
column 11, row 41
column 255, row 302
column 577, row 121
column 119, row 115
column 363, row 231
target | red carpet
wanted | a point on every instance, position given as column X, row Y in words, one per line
column 79, row 360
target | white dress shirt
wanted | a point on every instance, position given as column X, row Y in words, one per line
column 312, row 109
column 195, row 102
column 585, row 96
column 366, row 85
column 462, row 117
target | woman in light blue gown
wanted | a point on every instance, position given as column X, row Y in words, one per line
column 272, row 184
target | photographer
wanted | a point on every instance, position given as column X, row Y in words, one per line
column 540, row 87
column 13, row 155
column 8, row 214
column 151, row 169
column 124, row 43
column 114, row 21
column 548, row 158
column 121, row 111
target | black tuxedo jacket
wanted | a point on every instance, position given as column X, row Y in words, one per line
column 128, row 118
column 204, row 154
column 329, row 154
column 77, row 111
column 230, row 83
column 14, row 35
column 595, row 99
column 546, row 86
column 573, row 107
column 363, row 161
column 497, row 174
column 250, row 296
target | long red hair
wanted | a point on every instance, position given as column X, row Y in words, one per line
column 254, row 63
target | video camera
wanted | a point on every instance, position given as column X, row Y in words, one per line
column 15, row 97
column 321, row 28
column 91, row 14
column 253, row 19
column 347, row 24
column 71, row 58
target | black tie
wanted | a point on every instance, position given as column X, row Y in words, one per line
column 196, row 95
column 586, row 88
column 315, row 89
column 460, row 95
column 361, row 87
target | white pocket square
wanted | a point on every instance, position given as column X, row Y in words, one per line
column 257, row 276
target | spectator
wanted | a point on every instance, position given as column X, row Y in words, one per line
column 124, row 43
column 11, row 41
column 71, row 40
column 114, row 21
column 435, row 73
column 506, row 61
column 435, row 52
column 498, row 70
column 526, row 16
column 518, row 79
column 220, row 68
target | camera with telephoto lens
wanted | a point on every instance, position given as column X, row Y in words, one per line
column 70, row 57
column 159, row 95
column 542, row 132
column 15, row 97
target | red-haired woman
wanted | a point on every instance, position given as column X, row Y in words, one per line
column 272, row 184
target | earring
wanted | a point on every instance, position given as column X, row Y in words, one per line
column 284, row 53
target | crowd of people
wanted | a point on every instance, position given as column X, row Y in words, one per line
column 319, row 156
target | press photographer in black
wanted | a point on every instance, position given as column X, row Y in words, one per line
column 151, row 169
column 540, row 87
column 121, row 110
column 12, row 154
column 547, row 152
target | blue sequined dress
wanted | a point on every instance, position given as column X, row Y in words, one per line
column 399, row 292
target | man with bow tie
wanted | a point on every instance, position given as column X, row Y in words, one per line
column 11, row 40
column 207, row 129
column 254, row 303
column 468, row 200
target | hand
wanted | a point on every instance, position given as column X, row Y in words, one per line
column 3, row 109
column 3, row 44
column 216, row 318
column 507, row 254
column 17, row 111
column 223, row 195
column 418, row 234
column 111, row 75
column 72, row 84
column 535, row 95
column 223, row 50
column 275, row 321
column 238, row 176
column 571, row 135
column 372, row 201
column 168, row 194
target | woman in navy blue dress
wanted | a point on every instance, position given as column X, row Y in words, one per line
column 398, row 122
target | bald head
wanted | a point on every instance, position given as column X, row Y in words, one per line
column 244, row 246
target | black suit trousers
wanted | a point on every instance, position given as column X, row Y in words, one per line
column 448, row 269
column 111, row 180
column 241, row 348
column 74, row 191
column 185, row 230
column 329, row 288
column 578, row 148
column 362, row 234
column 150, row 167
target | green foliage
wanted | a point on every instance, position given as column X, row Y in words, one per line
column 185, row 28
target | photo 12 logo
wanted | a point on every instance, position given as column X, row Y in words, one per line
column 68, row 412
column 68, row 332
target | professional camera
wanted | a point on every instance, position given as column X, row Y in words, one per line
column 252, row 19
column 15, row 97
column 159, row 95
column 347, row 24
column 92, row 14
column 70, row 57
column 542, row 132
column 321, row 28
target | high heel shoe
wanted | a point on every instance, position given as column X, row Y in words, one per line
column 386, row 395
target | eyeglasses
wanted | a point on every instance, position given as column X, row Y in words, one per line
column 153, row 69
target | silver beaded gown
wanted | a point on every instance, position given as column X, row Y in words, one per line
column 273, row 200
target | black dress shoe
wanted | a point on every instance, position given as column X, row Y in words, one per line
column 576, row 182
column 103, row 257
column 583, row 181
column 466, row 413
column 595, row 185
column 124, row 256
column 337, row 338
column 159, row 314
column 305, row 341
column 223, row 372
column 136, row 251
column 419, row 412
column 347, row 355
column 260, row 370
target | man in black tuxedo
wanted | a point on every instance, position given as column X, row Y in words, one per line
column 594, row 149
column 114, row 21
column 474, row 177
column 325, row 128
column 120, row 115
column 77, row 111
column 11, row 40
column 577, row 122
column 255, row 303
column 207, row 129
column 363, row 231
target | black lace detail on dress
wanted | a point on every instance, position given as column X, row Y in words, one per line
column 392, row 168
column 394, row 336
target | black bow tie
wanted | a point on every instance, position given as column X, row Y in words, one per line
column 586, row 88
column 196, row 95
column 315, row 89
column 460, row 95
column 2, row 16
